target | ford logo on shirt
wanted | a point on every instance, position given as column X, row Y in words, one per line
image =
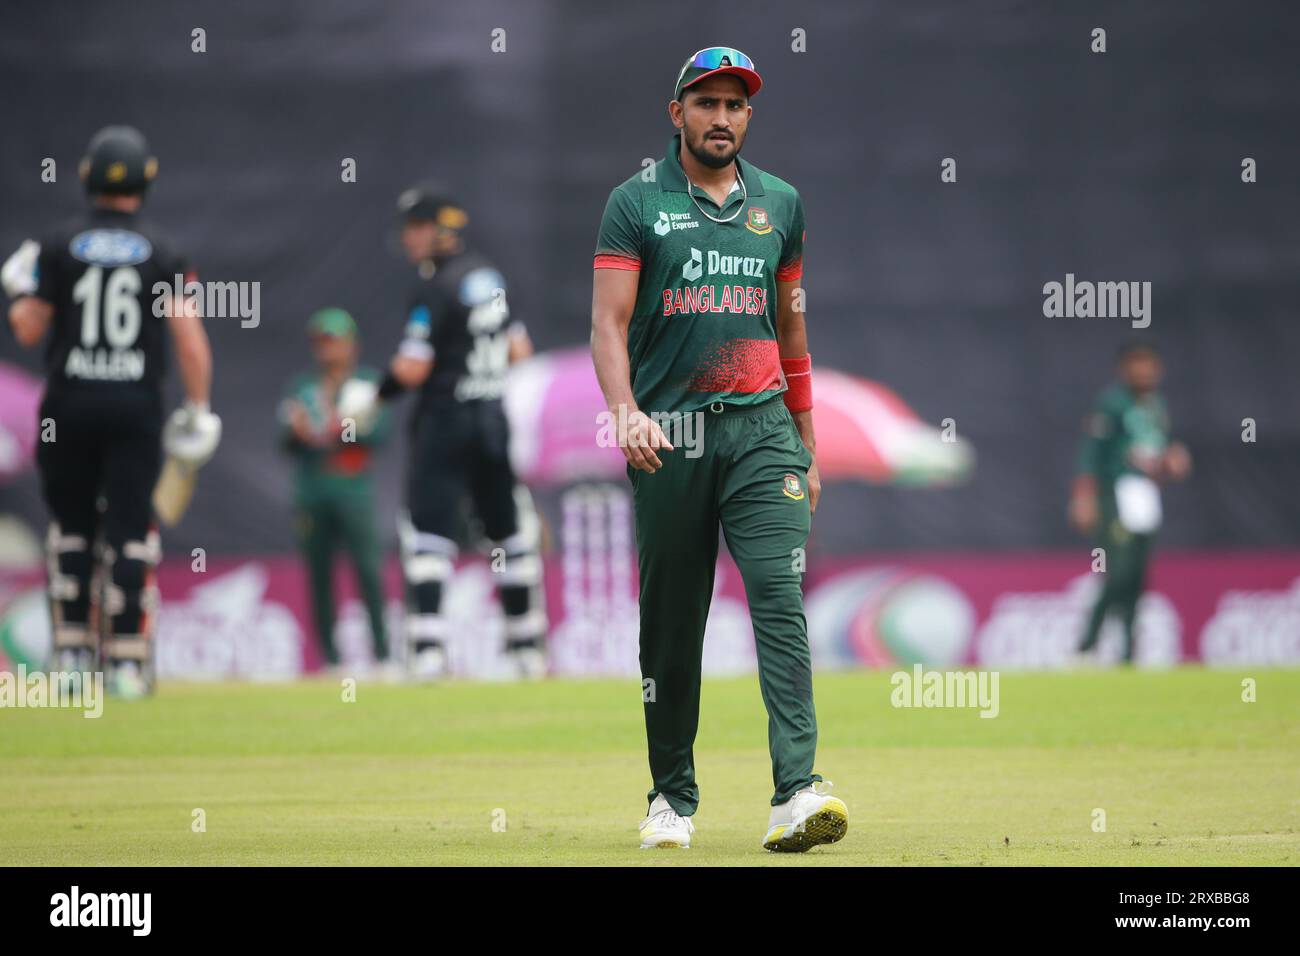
column 110, row 247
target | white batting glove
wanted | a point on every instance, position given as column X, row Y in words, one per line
column 18, row 275
column 192, row 434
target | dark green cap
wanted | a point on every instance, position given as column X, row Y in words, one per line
column 335, row 322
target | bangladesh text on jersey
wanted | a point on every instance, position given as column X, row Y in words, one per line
column 703, row 327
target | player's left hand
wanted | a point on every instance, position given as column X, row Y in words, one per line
column 1177, row 462
column 814, row 486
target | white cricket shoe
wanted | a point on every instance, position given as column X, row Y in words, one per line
column 809, row 818
column 429, row 664
column 663, row 829
column 127, row 681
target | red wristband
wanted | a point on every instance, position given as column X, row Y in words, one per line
column 798, row 383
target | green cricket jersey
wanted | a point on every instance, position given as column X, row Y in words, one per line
column 341, row 463
column 704, row 326
column 1121, row 428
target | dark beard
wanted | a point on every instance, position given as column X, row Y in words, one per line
column 713, row 160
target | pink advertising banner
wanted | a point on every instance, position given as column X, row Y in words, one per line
column 249, row 617
column 1028, row 610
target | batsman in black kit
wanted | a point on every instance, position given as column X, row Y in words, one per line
column 96, row 286
column 458, row 344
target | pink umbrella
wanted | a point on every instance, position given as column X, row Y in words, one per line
column 20, row 397
column 864, row 430
column 553, row 401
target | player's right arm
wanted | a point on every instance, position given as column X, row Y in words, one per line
column 193, row 350
column 30, row 313
column 613, row 299
column 193, row 431
column 411, row 366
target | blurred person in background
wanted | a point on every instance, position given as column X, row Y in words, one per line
column 334, row 494
column 90, row 283
column 459, row 342
column 1125, row 456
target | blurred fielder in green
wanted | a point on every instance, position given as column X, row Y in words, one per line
column 1125, row 456
column 334, row 498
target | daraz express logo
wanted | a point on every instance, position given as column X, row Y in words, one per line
column 668, row 221
column 720, row 265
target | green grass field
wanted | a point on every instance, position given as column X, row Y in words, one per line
column 1186, row 772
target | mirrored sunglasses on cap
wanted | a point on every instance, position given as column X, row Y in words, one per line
column 714, row 58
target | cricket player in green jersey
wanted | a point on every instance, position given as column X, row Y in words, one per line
column 334, row 497
column 699, row 344
column 1125, row 456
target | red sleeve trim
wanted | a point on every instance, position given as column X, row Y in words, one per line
column 790, row 271
column 626, row 263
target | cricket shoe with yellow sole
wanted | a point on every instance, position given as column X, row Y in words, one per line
column 808, row 819
column 664, row 829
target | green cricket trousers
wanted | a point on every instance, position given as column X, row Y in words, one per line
column 333, row 511
column 748, row 474
column 1127, row 557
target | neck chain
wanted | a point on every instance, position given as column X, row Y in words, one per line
column 744, row 197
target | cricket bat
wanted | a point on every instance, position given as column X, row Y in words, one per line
column 175, row 488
